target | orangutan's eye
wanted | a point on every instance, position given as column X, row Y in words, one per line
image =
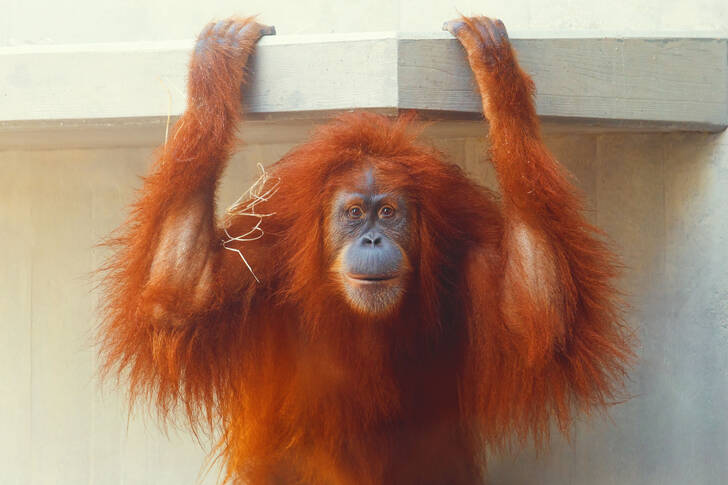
column 386, row 212
column 355, row 212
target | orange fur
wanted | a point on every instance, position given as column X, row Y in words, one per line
column 509, row 318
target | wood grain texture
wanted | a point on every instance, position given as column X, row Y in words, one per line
column 678, row 83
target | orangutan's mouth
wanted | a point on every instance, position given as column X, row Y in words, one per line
column 368, row 279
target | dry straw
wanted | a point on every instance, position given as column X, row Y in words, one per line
column 260, row 191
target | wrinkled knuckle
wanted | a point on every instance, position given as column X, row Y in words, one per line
column 231, row 29
column 201, row 45
column 455, row 26
column 217, row 27
column 245, row 29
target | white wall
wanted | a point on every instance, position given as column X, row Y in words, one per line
column 661, row 197
column 81, row 21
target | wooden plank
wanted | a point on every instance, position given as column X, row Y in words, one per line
column 668, row 83
column 624, row 84
column 290, row 74
column 103, row 81
column 323, row 73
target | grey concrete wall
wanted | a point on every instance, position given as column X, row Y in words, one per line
column 661, row 197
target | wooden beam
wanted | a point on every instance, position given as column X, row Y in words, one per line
column 645, row 84
column 667, row 84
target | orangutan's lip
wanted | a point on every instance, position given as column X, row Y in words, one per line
column 371, row 278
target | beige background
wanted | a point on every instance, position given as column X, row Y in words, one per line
column 661, row 197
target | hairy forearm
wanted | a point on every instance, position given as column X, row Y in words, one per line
column 530, row 178
column 166, row 312
column 546, row 240
column 172, row 241
column 193, row 158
